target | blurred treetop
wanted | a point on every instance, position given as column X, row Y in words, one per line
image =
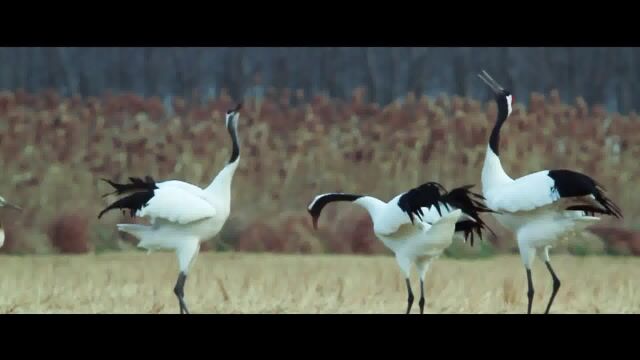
column 607, row 76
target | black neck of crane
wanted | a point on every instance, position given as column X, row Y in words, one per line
column 503, row 112
column 235, row 151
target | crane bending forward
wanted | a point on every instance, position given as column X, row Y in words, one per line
column 417, row 225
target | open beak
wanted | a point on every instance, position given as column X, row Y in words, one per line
column 489, row 81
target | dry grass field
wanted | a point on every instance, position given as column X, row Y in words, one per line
column 135, row 282
column 55, row 150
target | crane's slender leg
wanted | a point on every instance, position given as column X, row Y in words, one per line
column 405, row 266
column 423, row 267
column 556, row 281
column 527, row 254
column 179, row 291
column 187, row 253
column 410, row 299
column 421, row 302
column 556, row 286
column 530, row 291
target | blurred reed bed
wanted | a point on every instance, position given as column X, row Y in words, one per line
column 54, row 151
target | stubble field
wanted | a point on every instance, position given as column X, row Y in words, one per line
column 241, row 283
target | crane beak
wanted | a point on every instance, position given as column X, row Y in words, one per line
column 315, row 222
column 232, row 115
column 11, row 206
column 489, row 81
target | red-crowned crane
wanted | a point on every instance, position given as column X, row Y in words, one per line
column 440, row 214
column 182, row 215
column 542, row 207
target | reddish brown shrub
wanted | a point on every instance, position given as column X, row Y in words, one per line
column 205, row 246
column 333, row 234
column 353, row 233
column 362, row 238
column 617, row 239
column 634, row 244
column 68, row 233
column 297, row 232
column 259, row 237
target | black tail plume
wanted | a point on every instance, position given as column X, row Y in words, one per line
column 142, row 191
column 569, row 183
column 608, row 204
column 136, row 184
column 472, row 205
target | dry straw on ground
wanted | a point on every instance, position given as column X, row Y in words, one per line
column 248, row 283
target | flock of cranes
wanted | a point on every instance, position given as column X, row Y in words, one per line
column 417, row 225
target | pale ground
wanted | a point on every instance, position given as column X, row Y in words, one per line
column 253, row 283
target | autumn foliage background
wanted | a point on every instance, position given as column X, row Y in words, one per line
column 55, row 150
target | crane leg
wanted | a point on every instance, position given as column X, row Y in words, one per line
column 423, row 267
column 179, row 291
column 556, row 286
column 410, row 299
column 530, row 292
column 421, row 302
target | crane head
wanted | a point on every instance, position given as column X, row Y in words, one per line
column 4, row 203
column 232, row 116
column 503, row 96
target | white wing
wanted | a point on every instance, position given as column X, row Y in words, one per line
column 445, row 226
column 175, row 204
column 524, row 194
column 431, row 214
column 193, row 189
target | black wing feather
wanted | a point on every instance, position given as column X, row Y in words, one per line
column 136, row 184
column 141, row 191
column 426, row 195
column 569, row 183
column 472, row 205
column 433, row 194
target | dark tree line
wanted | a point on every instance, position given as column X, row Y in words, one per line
column 606, row 76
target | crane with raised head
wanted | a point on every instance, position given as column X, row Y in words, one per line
column 542, row 207
column 182, row 215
